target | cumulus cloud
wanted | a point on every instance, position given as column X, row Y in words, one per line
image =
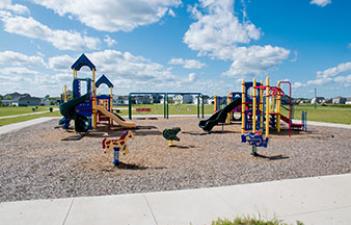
column 320, row 3
column 217, row 30
column 339, row 75
column 255, row 59
column 218, row 33
column 14, row 8
column 187, row 63
column 111, row 15
column 60, row 39
column 334, row 71
column 12, row 58
column 62, row 62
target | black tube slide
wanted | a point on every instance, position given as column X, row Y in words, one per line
column 219, row 116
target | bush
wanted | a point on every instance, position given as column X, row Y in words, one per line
column 250, row 221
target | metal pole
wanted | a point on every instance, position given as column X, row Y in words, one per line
column 164, row 106
column 203, row 107
column 167, row 107
column 198, row 106
column 315, row 98
column 130, row 106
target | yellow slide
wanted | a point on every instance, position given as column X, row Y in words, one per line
column 127, row 124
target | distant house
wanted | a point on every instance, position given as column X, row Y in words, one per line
column 143, row 99
column 29, row 101
column 183, row 99
column 348, row 101
column 121, row 100
column 328, row 101
column 339, row 100
column 318, row 100
column 156, row 98
column 6, row 102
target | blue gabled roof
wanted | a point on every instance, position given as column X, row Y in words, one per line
column 103, row 80
column 83, row 61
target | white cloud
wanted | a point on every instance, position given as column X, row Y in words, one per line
column 334, row 71
column 338, row 76
column 255, row 59
column 110, row 41
column 11, row 58
column 14, row 8
column 60, row 39
column 111, row 15
column 320, row 3
column 11, row 71
column 187, row 63
column 216, row 32
column 220, row 34
column 62, row 62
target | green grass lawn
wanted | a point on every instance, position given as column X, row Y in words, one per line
column 7, row 111
column 328, row 113
column 157, row 109
column 25, row 118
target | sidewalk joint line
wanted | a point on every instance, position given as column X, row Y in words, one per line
column 68, row 212
column 152, row 212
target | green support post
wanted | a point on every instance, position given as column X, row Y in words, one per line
column 203, row 107
column 164, row 106
column 198, row 106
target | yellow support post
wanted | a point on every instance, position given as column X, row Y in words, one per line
column 278, row 103
column 111, row 105
column 94, row 100
column 267, row 106
column 243, row 107
column 215, row 103
column 254, row 108
column 261, row 107
column 75, row 74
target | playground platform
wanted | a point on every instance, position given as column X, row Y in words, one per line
column 316, row 200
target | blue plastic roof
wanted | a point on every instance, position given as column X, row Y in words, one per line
column 83, row 61
column 104, row 80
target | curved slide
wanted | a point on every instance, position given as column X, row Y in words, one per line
column 219, row 116
column 119, row 120
column 69, row 113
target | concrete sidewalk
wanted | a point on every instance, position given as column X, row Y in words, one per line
column 317, row 200
column 17, row 126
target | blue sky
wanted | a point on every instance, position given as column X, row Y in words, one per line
column 172, row 45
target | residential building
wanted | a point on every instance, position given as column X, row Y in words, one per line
column 339, row 100
column 29, row 101
column 318, row 100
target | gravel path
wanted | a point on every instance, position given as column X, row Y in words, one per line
column 42, row 162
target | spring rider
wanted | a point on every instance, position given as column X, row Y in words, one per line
column 171, row 135
column 117, row 145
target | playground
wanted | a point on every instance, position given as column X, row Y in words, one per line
column 252, row 136
column 51, row 163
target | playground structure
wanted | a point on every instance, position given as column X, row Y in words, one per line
column 165, row 96
column 261, row 111
column 117, row 145
column 88, row 110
